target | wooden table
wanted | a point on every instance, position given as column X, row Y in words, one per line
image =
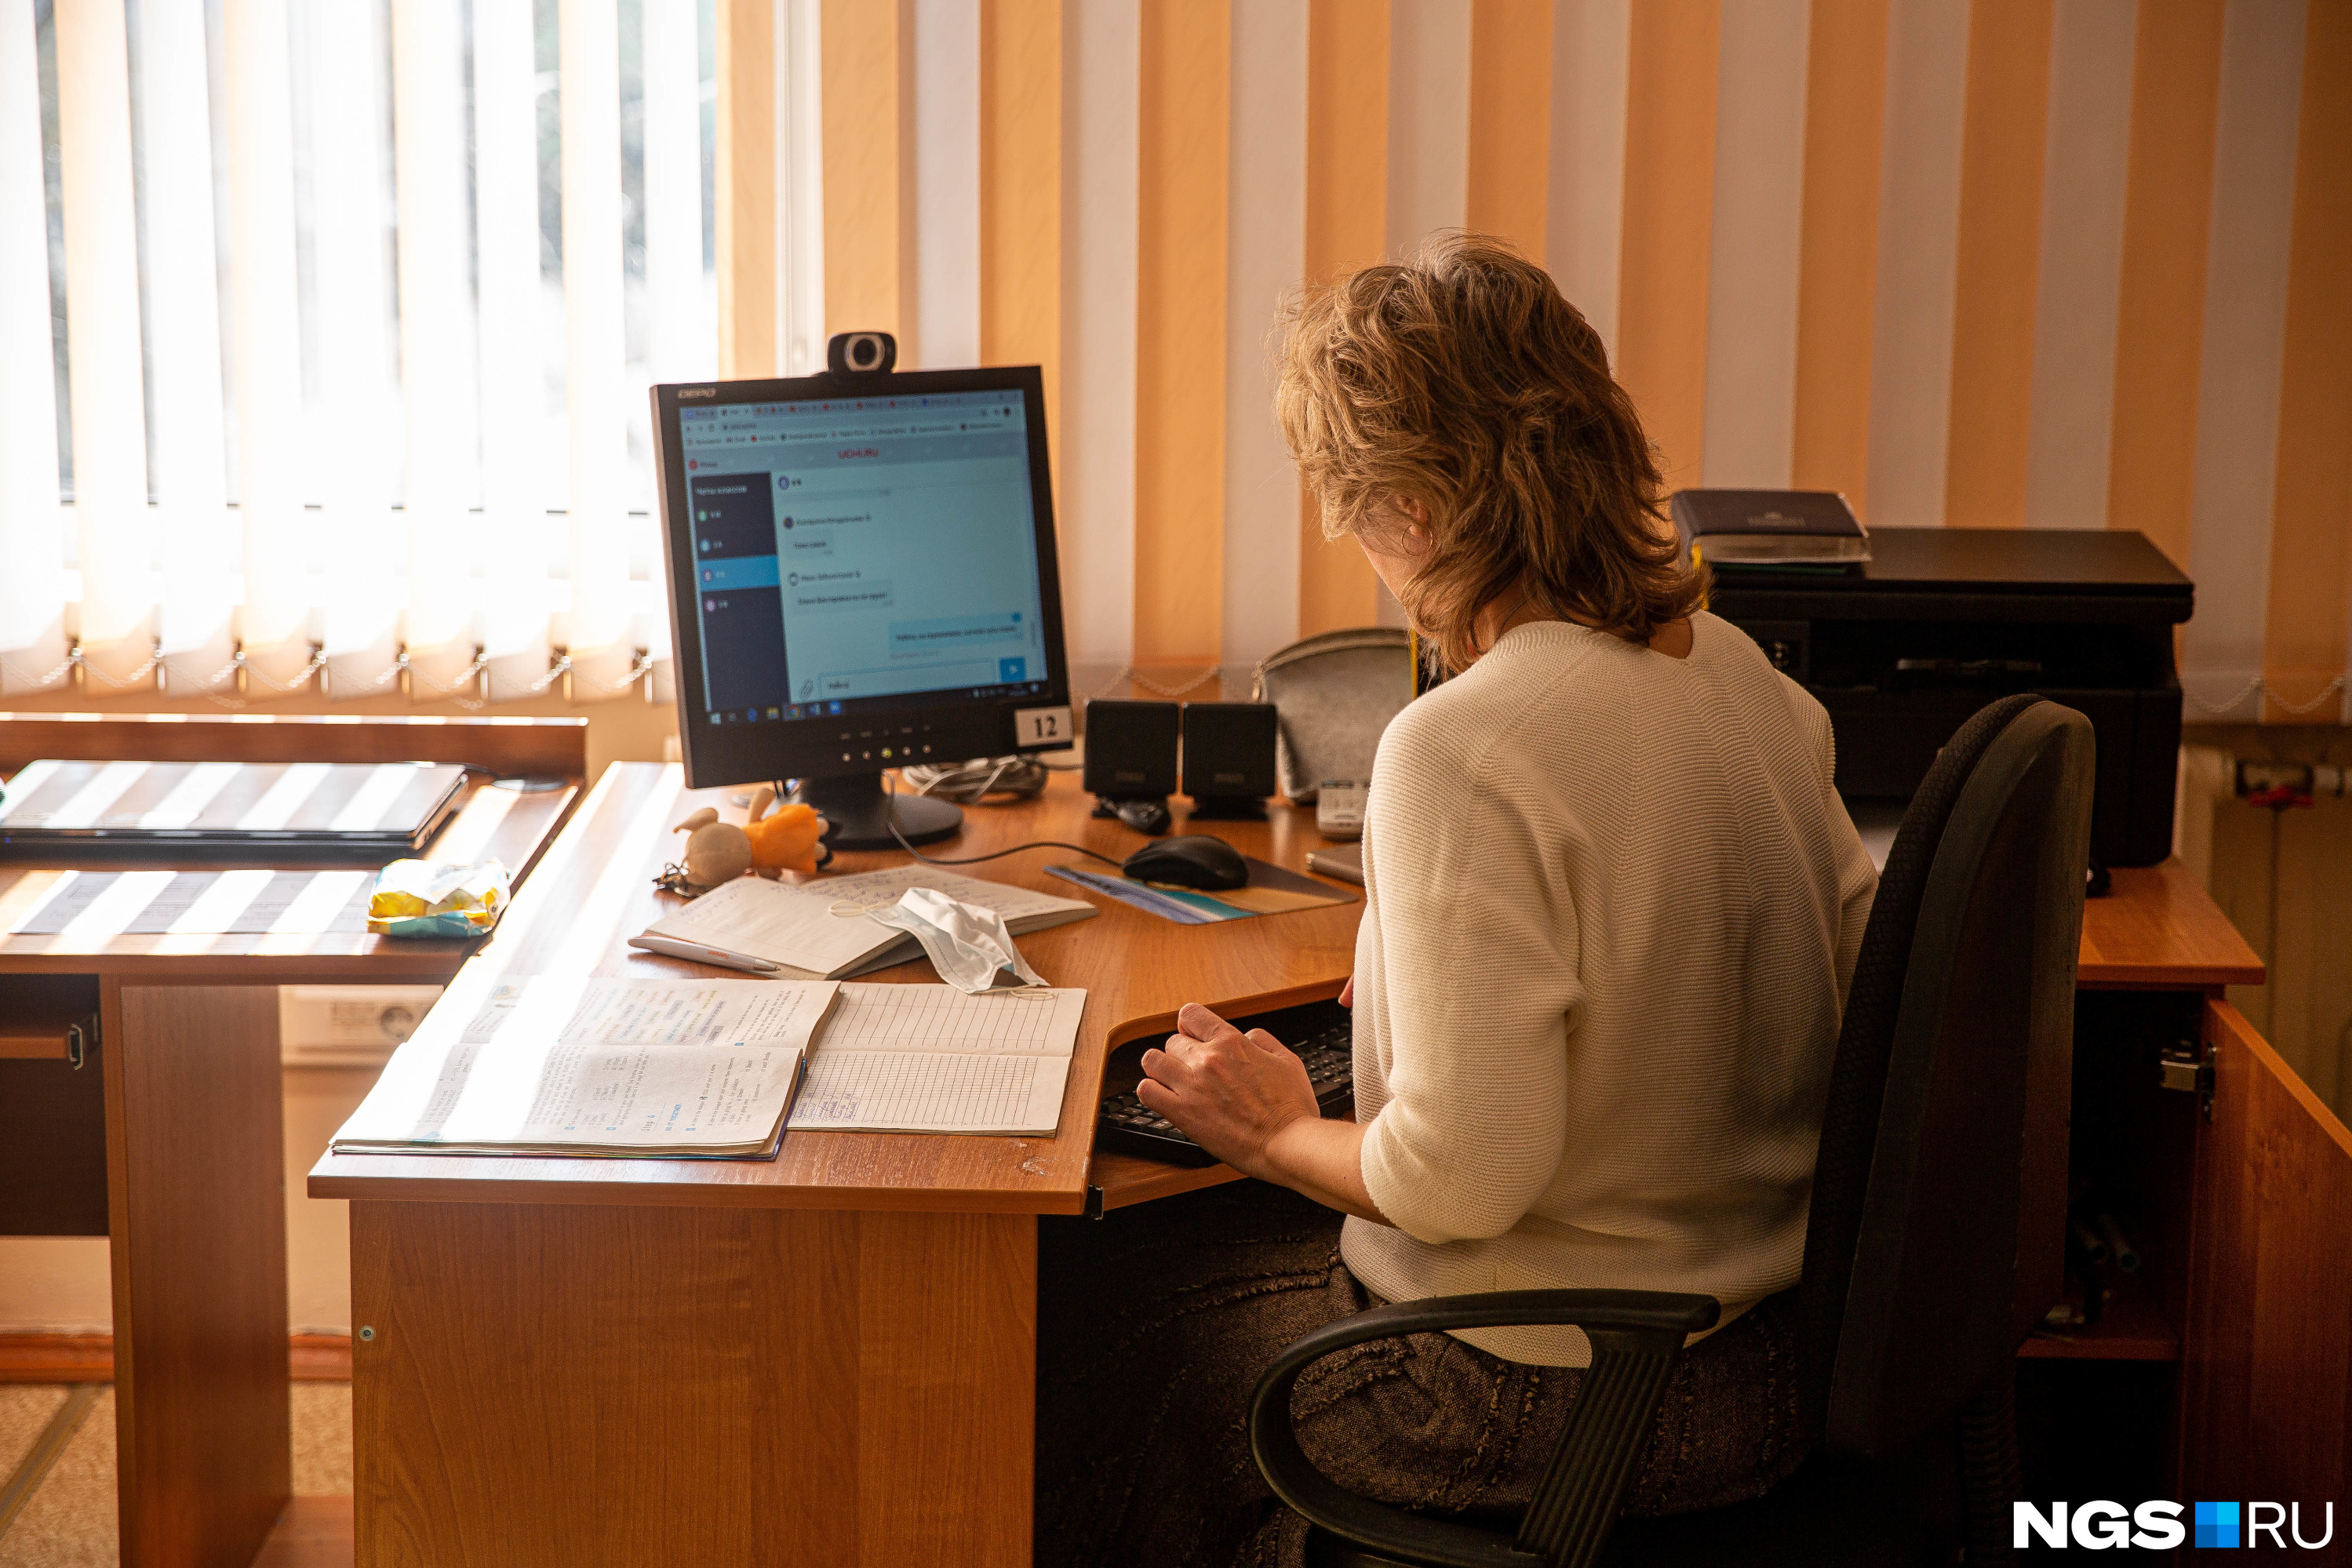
column 828, row 1359
column 174, row 1148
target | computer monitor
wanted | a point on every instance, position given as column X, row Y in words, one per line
column 862, row 575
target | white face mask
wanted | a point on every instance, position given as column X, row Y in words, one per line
column 967, row 946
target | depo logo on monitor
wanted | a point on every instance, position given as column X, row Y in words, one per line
column 2156, row 1525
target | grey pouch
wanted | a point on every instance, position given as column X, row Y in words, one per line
column 1333, row 696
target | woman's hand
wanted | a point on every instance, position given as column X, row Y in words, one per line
column 1231, row 1092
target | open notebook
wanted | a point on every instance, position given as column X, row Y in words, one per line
column 570, row 1065
column 931, row 1059
column 709, row 1069
column 819, row 930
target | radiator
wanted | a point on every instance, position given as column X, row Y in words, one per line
column 2273, row 841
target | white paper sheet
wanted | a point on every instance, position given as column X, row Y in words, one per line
column 572, row 1064
column 931, row 1059
column 929, row 1092
column 940, row 1018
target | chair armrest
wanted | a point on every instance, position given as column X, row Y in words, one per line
column 1635, row 1336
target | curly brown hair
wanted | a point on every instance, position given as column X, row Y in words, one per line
column 1461, row 379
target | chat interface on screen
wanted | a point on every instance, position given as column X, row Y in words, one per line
column 863, row 548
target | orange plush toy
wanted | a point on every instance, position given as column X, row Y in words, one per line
column 791, row 838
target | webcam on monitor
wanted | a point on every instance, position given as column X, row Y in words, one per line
column 861, row 354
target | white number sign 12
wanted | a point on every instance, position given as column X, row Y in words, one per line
column 1041, row 727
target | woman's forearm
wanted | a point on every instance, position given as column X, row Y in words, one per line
column 1324, row 1160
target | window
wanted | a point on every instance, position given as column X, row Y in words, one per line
column 325, row 327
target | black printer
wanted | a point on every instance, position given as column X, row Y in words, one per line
column 1942, row 621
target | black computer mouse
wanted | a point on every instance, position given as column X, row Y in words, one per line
column 1189, row 859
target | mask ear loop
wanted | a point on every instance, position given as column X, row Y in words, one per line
column 849, row 909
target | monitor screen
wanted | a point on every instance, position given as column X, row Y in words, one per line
column 852, row 552
column 842, row 564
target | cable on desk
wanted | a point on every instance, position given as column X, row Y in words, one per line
column 890, row 790
column 968, row 783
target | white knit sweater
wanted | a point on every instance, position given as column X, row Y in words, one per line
column 1612, row 904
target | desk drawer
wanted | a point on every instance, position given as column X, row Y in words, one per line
column 52, row 1113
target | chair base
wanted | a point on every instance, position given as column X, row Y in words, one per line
column 1830, row 1514
column 1325, row 1551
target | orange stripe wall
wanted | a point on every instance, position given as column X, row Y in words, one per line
column 1021, row 190
column 2311, row 527
column 1845, row 112
column 1347, row 217
column 2176, row 92
column 2000, row 230
column 865, row 184
column 745, row 225
column 1180, row 353
column 1510, row 119
column 1929, row 134
column 1669, row 197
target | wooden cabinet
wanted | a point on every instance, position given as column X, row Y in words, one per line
column 2266, row 1351
column 2222, row 1368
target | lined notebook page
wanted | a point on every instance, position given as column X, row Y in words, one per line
column 931, row 1059
column 882, row 1091
column 940, row 1018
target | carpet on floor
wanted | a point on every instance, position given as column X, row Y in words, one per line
column 68, row 1520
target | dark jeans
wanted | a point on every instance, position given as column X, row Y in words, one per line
column 1155, row 1322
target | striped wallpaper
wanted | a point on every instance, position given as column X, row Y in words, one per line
column 1993, row 263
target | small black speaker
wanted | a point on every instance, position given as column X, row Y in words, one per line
column 1131, row 749
column 1229, row 758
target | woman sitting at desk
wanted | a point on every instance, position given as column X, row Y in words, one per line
column 1612, row 904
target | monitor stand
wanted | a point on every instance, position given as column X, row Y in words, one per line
column 861, row 813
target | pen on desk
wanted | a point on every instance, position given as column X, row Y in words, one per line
column 670, row 946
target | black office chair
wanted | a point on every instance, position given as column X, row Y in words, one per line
column 1933, row 1247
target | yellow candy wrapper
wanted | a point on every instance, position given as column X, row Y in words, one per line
column 434, row 898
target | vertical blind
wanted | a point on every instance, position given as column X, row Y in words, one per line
column 325, row 327
column 2069, row 264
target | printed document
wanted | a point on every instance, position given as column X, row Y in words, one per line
column 577, row 1066
column 932, row 1059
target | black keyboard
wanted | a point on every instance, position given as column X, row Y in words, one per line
column 1321, row 1034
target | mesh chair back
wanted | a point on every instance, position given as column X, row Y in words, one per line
column 1938, row 1197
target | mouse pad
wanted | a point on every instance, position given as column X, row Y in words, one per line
column 1271, row 891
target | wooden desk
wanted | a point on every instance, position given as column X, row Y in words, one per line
column 2158, row 929
column 831, row 1359
column 174, row 1146
column 826, row 1359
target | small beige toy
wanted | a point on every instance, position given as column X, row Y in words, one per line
column 716, row 851
column 788, row 838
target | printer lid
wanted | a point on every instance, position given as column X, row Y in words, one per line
column 1994, row 574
